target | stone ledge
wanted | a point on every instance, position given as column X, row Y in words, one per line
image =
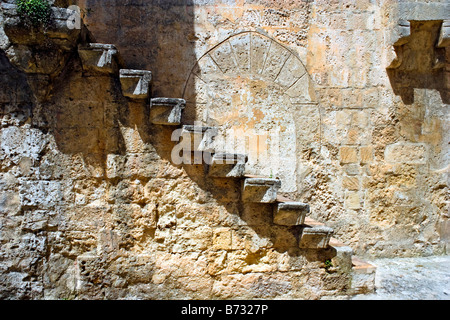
column 226, row 165
column 361, row 266
column 135, row 83
column 199, row 138
column 413, row 10
column 59, row 31
column 166, row 111
column 100, row 58
column 290, row 213
column 363, row 277
column 260, row 190
column 317, row 237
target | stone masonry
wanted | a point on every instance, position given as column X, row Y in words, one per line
column 338, row 114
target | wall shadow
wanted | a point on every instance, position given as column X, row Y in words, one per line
column 16, row 97
column 87, row 113
column 155, row 35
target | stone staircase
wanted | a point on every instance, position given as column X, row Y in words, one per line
column 105, row 59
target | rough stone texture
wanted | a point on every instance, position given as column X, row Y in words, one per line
column 290, row 213
column 419, row 278
column 316, row 237
column 260, row 190
column 92, row 207
column 166, row 111
column 135, row 83
column 227, row 165
column 99, row 57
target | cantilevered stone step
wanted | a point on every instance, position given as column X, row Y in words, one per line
column 262, row 190
column 290, row 213
column 135, row 83
column 166, row 111
column 99, row 57
column 316, row 237
column 363, row 277
column 199, row 138
column 227, row 165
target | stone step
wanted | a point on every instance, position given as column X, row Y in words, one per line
column 290, row 213
column 363, row 276
column 100, row 58
column 135, row 83
column 166, row 111
column 199, row 138
column 61, row 32
column 227, row 165
column 260, row 190
column 315, row 237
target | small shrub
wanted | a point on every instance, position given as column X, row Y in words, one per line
column 328, row 265
column 36, row 12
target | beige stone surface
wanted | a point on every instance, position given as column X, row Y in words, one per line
column 93, row 207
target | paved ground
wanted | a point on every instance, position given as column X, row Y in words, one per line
column 411, row 279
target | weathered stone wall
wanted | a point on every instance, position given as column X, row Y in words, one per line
column 92, row 207
column 385, row 135
column 370, row 156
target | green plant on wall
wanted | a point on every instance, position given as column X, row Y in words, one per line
column 328, row 265
column 36, row 12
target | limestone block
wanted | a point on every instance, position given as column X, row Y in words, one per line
column 135, row 83
column 363, row 277
column 290, row 213
column 133, row 165
column 32, row 243
column 406, row 152
column 258, row 54
column 45, row 62
column 241, row 48
column 277, row 57
column 350, row 183
column 424, row 11
column 205, row 67
column 302, row 91
column 444, row 35
column 317, row 237
column 107, row 242
column 59, row 31
column 199, row 138
column 41, row 86
column 349, row 155
column 44, row 194
column 9, row 202
column 261, row 190
column 222, row 239
column 366, row 154
column 166, row 111
column 399, row 36
column 99, row 57
column 36, row 221
column 343, row 257
column 223, row 56
column 227, row 165
column 8, row 8
column 353, row 200
column 18, row 143
column 291, row 72
column 401, row 33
